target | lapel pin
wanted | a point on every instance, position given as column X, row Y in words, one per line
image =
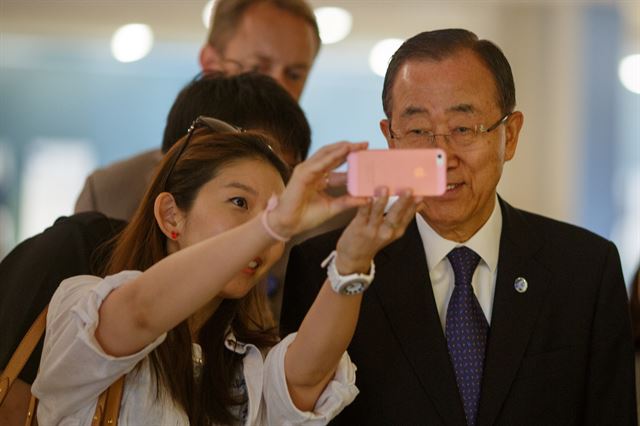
column 520, row 285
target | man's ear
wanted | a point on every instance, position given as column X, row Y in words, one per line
column 512, row 133
column 168, row 215
column 386, row 131
column 210, row 59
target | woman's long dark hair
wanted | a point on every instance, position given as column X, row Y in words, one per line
column 142, row 243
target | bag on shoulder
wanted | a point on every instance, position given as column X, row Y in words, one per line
column 33, row 270
column 108, row 406
column 29, row 275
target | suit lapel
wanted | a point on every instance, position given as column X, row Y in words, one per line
column 403, row 288
column 514, row 314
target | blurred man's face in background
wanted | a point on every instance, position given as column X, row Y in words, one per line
column 271, row 41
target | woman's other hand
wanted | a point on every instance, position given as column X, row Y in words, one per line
column 372, row 229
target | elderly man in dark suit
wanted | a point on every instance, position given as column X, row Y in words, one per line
column 482, row 313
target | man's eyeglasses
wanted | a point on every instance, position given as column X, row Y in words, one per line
column 212, row 124
column 460, row 137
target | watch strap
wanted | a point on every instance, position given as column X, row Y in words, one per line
column 347, row 284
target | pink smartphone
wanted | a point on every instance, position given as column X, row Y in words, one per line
column 423, row 170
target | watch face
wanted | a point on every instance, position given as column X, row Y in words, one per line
column 353, row 287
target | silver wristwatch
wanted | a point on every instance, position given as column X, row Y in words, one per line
column 347, row 284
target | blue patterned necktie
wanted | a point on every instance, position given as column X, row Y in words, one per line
column 466, row 329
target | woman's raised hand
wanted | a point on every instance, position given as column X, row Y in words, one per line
column 371, row 229
column 304, row 204
column 329, row 325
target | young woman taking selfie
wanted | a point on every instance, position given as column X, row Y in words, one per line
column 179, row 312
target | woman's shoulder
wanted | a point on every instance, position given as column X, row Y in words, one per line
column 72, row 290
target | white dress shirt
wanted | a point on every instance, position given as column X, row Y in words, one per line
column 74, row 370
column 485, row 242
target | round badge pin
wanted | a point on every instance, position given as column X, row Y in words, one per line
column 520, row 285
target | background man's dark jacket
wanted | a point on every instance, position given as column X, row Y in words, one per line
column 31, row 273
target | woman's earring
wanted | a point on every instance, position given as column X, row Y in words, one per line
column 174, row 235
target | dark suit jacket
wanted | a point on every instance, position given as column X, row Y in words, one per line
column 31, row 273
column 558, row 354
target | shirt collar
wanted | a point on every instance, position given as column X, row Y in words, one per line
column 234, row 345
column 230, row 342
column 485, row 242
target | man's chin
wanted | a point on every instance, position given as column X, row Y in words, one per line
column 439, row 215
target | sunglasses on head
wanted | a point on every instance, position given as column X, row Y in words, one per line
column 212, row 124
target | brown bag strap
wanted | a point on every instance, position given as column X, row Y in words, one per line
column 31, row 413
column 22, row 353
column 108, row 406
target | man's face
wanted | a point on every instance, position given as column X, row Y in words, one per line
column 271, row 41
column 437, row 97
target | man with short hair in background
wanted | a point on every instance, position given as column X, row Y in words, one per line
column 279, row 38
column 481, row 314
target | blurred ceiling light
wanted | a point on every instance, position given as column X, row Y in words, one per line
column 131, row 42
column 629, row 73
column 334, row 23
column 206, row 13
column 381, row 54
